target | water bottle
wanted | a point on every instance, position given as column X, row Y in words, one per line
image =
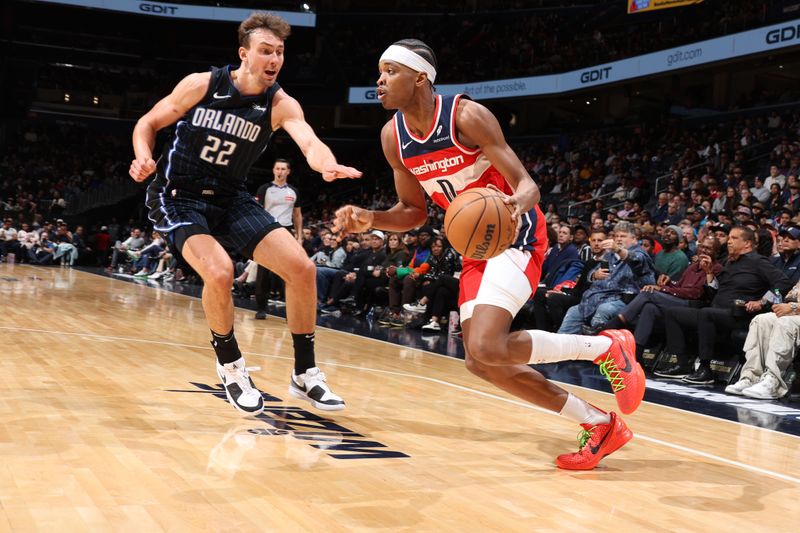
column 777, row 298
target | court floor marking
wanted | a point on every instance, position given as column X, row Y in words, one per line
column 525, row 405
column 164, row 289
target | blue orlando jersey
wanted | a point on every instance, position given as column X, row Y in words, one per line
column 217, row 141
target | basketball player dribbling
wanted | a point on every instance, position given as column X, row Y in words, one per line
column 225, row 119
column 443, row 145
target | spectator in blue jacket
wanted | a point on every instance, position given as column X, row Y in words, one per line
column 626, row 270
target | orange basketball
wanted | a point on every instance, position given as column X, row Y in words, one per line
column 478, row 224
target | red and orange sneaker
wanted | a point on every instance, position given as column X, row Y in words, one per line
column 595, row 442
column 619, row 366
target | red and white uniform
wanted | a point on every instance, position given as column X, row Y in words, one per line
column 445, row 168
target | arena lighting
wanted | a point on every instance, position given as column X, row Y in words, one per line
column 66, row 97
column 95, row 100
column 588, row 102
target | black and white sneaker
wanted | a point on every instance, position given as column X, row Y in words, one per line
column 311, row 386
column 239, row 388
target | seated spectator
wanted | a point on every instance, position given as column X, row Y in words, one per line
column 560, row 258
column 745, row 278
column 65, row 250
column 146, row 259
column 769, row 350
column 647, row 309
column 370, row 262
column 720, row 232
column 42, row 252
column 439, row 286
column 629, row 269
column 9, row 244
column 548, row 311
column 79, row 241
column 27, row 240
column 376, row 286
column 788, row 258
column 134, row 242
column 326, row 274
column 671, row 261
column 244, row 285
column 403, row 282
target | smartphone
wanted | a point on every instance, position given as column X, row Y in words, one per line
column 603, row 264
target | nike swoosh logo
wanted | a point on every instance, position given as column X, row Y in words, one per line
column 406, row 144
column 221, row 96
column 628, row 365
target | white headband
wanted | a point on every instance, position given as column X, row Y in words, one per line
column 412, row 60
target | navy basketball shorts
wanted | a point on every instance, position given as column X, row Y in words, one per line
column 237, row 222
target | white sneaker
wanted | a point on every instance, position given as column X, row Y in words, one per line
column 739, row 386
column 311, row 386
column 239, row 388
column 432, row 326
column 143, row 273
column 157, row 275
column 415, row 307
column 766, row 389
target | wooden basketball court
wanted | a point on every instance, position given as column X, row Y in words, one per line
column 111, row 419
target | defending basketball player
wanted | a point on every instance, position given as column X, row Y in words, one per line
column 443, row 145
column 226, row 118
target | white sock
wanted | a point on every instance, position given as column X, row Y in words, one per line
column 583, row 413
column 549, row 347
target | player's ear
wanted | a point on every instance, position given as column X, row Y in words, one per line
column 242, row 53
column 422, row 79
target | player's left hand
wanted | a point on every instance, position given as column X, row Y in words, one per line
column 516, row 206
column 351, row 219
column 335, row 171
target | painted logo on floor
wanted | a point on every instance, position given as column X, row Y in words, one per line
column 320, row 433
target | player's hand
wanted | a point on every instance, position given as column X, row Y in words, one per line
column 142, row 168
column 514, row 203
column 663, row 279
column 351, row 219
column 651, row 288
column 334, row 171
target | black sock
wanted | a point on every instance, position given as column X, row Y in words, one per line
column 226, row 347
column 303, row 352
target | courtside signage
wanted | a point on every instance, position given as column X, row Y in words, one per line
column 737, row 45
column 184, row 11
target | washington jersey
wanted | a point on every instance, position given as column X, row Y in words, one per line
column 217, row 141
column 445, row 167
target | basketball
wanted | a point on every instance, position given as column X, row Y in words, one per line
column 478, row 224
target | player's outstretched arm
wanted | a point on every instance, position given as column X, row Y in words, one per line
column 287, row 114
column 189, row 91
column 477, row 126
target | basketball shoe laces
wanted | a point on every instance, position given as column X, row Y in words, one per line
column 584, row 436
column 319, row 375
column 241, row 376
column 609, row 369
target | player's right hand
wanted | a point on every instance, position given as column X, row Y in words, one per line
column 351, row 219
column 141, row 168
